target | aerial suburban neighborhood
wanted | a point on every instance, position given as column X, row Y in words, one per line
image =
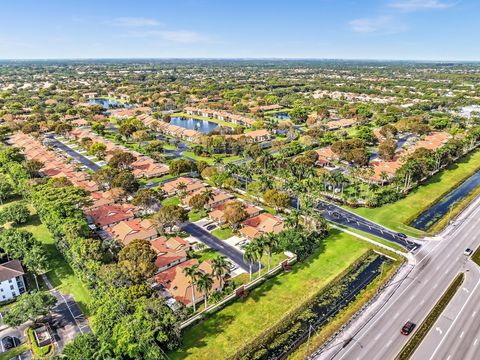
column 267, row 189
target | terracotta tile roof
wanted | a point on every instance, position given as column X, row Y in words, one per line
column 129, row 230
column 111, row 214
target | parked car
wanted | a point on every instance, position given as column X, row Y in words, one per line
column 7, row 343
column 211, row 227
column 407, row 328
column 467, row 252
column 242, row 243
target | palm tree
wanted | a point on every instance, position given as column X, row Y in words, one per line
column 181, row 190
column 208, row 195
column 204, row 284
column 192, row 274
column 250, row 256
column 220, row 268
column 292, row 219
column 259, row 247
column 270, row 242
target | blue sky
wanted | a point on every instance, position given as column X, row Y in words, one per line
column 362, row 29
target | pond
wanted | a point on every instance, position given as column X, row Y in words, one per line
column 429, row 217
column 282, row 115
column 203, row 126
column 109, row 103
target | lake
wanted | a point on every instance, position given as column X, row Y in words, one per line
column 429, row 217
column 203, row 126
column 108, row 103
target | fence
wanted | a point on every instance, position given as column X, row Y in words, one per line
column 249, row 286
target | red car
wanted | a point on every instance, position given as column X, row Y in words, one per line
column 407, row 328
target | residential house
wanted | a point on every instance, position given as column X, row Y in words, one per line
column 109, row 215
column 12, row 282
column 261, row 224
column 170, row 251
column 127, row 231
column 178, row 286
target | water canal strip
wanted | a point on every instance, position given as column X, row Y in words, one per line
column 436, row 212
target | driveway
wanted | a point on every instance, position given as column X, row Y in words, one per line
column 218, row 245
column 87, row 162
column 66, row 319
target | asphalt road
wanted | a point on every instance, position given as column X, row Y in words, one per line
column 88, row 163
column 376, row 336
column 218, row 245
column 343, row 217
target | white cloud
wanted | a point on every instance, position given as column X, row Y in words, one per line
column 174, row 36
column 385, row 24
column 134, row 22
column 417, row 5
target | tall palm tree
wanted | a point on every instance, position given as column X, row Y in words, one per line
column 259, row 246
column 204, row 284
column 292, row 219
column 270, row 242
column 182, row 190
column 220, row 268
column 192, row 274
column 249, row 256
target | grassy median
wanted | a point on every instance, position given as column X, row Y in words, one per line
column 432, row 317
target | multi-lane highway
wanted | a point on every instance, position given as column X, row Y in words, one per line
column 411, row 296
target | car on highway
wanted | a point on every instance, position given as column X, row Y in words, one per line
column 467, row 252
column 211, row 227
column 7, row 343
column 407, row 328
column 402, row 235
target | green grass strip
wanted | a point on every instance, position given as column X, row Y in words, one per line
column 432, row 317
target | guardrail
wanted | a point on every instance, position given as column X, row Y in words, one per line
column 248, row 286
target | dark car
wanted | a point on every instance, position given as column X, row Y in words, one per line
column 211, row 227
column 407, row 328
column 402, row 235
column 7, row 343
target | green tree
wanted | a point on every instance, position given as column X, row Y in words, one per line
column 192, row 274
column 137, row 259
column 29, row 306
column 220, row 267
column 204, row 284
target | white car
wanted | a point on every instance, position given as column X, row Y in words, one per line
column 467, row 252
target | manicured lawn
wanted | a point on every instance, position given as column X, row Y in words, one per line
column 60, row 273
column 223, row 233
column 226, row 331
column 206, row 254
column 171, row 201
column 190, row 154
column 196, row 215
column 397, row 215
column 169, row 147
column 230, row 159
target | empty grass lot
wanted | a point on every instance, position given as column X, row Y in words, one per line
column 397, row 215
column 226, row 331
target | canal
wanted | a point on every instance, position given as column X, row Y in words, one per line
column 430, row 216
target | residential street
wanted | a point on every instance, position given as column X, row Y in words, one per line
column 88, row 163
column 218, row 245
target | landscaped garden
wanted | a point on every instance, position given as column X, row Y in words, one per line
column 225, row 332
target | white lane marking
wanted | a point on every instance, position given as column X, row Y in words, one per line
column 389, row 342
column 412, row 297
column 475, row 342
column 439, row 330
column 456, row 317
column 461, row 335
column 465, row 289
column 474, row 313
